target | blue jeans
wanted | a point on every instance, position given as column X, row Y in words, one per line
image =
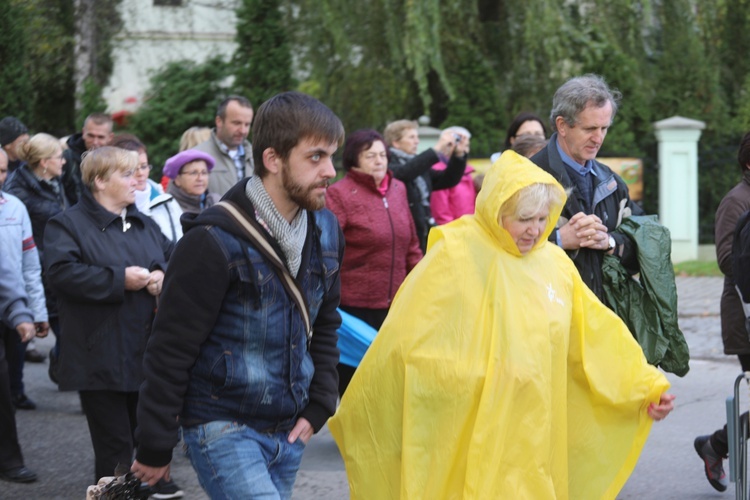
column 234, row 461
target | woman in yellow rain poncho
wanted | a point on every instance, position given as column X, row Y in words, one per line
column 497, row 373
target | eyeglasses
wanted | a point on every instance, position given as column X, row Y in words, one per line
column 144, row 168
column 196, row 173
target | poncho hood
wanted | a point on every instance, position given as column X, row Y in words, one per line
column 509, row 174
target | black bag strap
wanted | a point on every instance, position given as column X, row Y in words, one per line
column 262, row 244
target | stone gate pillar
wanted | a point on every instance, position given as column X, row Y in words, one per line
column 678, row 183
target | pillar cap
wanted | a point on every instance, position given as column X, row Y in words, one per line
column 679, row 122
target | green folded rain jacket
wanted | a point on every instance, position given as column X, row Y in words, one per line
column 648, row 305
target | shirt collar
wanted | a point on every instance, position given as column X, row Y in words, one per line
column 240, row 151
column 582, row 170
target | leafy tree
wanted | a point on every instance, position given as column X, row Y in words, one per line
column 15, row 81
column 49, row 59
column 262, row 63
column 182, row 95
column 687, row 81
column 90, row 99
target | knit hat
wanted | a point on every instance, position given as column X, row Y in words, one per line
column 175, row 163
column 10, row 129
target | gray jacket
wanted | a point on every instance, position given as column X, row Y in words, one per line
column 21, row 269
column 224, row 174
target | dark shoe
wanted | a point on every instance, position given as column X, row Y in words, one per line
column 18, row 475
column 52, row 370
column 166, row 489
column 34, row 356
column 22, row 402
column 712, row 463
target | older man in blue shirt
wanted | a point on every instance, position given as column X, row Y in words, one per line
column 582, row 112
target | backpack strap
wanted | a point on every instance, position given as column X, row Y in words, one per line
column 262, row 244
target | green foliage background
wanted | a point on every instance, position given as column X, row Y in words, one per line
column 182, row 95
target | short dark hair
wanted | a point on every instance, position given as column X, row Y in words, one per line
column 743, row 155
column 99, row 119
column 577, row 93
column 358, row 141
column 129, row 142
column 221, row 111
column 520, row 119
column 286, row 119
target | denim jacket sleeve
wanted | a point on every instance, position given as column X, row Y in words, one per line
column 324, row 351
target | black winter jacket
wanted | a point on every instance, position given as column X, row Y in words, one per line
column 421, row 180
column 611, row 203
column 106, row 327
column 40, row 199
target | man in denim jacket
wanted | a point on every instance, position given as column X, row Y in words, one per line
column 230, row 359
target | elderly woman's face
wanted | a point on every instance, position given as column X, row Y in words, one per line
column 118, row 191
column 525, row 232
column 373, row 161
column 408, row 142
column 193, row 178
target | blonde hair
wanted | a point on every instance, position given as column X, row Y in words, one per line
column 37, row 148
column 394, row 131
column 530, row 200
column 194, row 136
column 102, row 162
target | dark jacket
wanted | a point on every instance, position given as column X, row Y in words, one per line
column 381, row 242
column 421, row 180
column 732, row 206
column 229, row 342
column 40, row 199
column 71, row 174
column 106, row 327
column 611, row 204
column 42, row 204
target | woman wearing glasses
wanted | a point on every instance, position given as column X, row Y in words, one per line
column 381, row 239
column 37, row 184
column 106, row 262
column 150, row 197
column 188, row 171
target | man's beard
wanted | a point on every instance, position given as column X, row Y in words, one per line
column 301, row 195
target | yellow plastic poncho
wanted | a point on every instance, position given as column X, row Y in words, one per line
column 496, row 375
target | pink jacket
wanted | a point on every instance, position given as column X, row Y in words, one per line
column 449, row 204
column 381, row 241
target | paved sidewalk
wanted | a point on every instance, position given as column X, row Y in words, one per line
column 56, row 443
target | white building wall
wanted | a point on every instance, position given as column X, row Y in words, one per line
column 155, row 35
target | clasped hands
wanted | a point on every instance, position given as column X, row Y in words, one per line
column 137, row 278
column 584, row 231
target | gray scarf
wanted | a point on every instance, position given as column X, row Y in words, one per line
column 290, row 237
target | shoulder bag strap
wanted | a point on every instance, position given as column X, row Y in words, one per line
column 268, row 250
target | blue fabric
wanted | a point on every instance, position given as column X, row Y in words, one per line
column 355, row 336
column 588, row 168
column 234, row 461
column 255, row 362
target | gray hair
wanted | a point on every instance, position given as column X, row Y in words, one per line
column 460, row 130
column 577, row 93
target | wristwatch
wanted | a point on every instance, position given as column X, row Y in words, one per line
column 612, row 243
